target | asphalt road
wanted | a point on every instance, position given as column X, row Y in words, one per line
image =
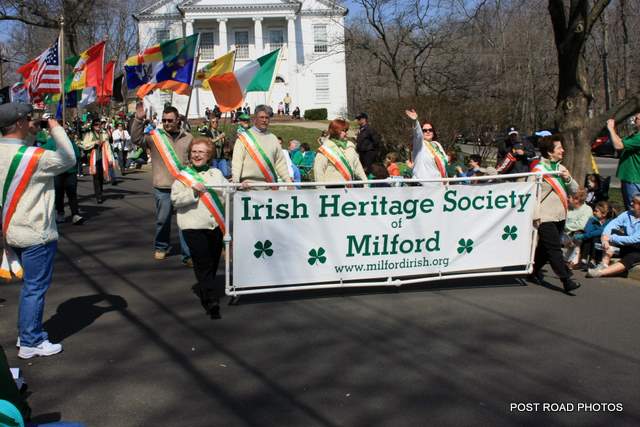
column 139, row 350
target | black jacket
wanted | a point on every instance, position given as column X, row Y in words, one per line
column 368, row 140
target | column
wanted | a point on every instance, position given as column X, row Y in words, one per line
column 222, row 36
column 257, row 35
column 188, row 27
column 292, row 54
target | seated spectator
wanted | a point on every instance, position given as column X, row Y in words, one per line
column 379, row 171
column 623, row 232
column 136, row 159
column 304, row 159
column 391, row 163
column 596, row 190
column 592, row 232
column 452, row 163
column 577, row 218
column 296, row 113
column 473, row 166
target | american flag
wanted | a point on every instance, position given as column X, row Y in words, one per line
column 44, row 72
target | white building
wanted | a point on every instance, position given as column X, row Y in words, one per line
column 311, row 33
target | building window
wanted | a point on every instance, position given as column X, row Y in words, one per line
column 322, row 88
column 320, row 39
column 162, row 35
column 242, row 44
column 207, row 43
column 276, row 39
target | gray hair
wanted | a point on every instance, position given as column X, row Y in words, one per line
column 263, row 108
column 636, row 198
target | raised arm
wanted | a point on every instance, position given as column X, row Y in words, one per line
column 137, row 126
column 417, row 129
column 55, row 162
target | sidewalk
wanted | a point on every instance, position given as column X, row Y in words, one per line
column 139, row 350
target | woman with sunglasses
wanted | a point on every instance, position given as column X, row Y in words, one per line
column 429, row 158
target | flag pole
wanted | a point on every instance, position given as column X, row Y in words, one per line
column 273, row 78
column 193, row 75
column 61, row 62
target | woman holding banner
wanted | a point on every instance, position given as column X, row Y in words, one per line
column 429, row 158
column 337, row 158
column 552, row 211
column 200, row 213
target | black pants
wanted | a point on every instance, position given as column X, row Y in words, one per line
column 367, row 158
column 66, row 183
column 122, row 159
column 629, row 256
column 550, row 249
column 98, row 180
column 206, row 247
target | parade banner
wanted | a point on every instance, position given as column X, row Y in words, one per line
column 333, row 235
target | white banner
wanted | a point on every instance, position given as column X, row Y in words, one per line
column 319, row 236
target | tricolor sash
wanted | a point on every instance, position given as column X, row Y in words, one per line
column 338, row 160
column 556, row 182
column 258, row 155
column 108, row 161
column 21, row 169
column 439, row 158
column 186, row 175
column 189, row 177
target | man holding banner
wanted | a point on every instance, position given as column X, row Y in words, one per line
column 169, row 147
column 257, row 155
column 28, row 218
column 552, row 212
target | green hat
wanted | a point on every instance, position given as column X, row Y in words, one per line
column 244, row 117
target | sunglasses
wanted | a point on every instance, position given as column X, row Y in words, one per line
column 427, row 129
column 168, row 120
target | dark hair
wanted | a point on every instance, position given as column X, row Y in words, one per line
column 605, row 207
column 476, row 158
column 336, row 126
column 392, row 156
column 547, row 144
column 379, row 171
column 305, row 146
column 435, row 133
column 453, row 155
column 169, row 109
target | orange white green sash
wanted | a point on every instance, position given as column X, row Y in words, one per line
column 258, row 155
column 108, row 161
column 338, row 160
column 21, row 169
column 189, row 177
column 556, row 182
column 439, row 158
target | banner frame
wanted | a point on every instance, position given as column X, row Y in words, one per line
column 230, row 188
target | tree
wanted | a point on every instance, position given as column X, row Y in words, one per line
column 572, row 28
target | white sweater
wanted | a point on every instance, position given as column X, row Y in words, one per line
column 33, row 222
column 424, row 165
column 193, row 215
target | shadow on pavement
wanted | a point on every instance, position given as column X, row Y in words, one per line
column 77, row 313
column 49, row 417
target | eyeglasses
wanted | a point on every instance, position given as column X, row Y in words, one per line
column 427, row 129
column 168, row 120
column 200, row 152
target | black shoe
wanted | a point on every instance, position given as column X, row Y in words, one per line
column 214, row 310
column 570, row 285
column 536, row 277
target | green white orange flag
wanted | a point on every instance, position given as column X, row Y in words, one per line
column 217, row 67
column 230, row 89
column 88, row 71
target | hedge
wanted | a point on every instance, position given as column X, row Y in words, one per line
column 316, row 114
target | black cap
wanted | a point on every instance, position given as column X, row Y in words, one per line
column 12, row 112
column 518, row 146
column 362, row 116
column 96, row 122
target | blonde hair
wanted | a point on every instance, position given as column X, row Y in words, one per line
column 205, row 141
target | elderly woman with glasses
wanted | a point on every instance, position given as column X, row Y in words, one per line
column 201, row 223
column 429, row 158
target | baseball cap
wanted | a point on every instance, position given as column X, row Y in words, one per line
column 12, row 112
column 244, row 117
column 362, row 116
column 513, row 131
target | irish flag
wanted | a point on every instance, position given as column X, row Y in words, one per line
column 230, row 89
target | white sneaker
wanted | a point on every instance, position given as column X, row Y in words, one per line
column 59, row 218
column 77, row 219
column 45, row 348
column 18, row 342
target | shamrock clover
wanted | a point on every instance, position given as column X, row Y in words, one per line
column 317, row 256
column 465, row 245
column 510, row 232
column 262, row 249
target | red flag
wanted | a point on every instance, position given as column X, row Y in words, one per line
column 106, row 90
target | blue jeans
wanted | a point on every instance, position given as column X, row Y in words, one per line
column 223, row 165
column 164, row 211
column 628, row 190
column 37, row 264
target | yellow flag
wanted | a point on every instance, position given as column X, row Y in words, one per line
column 217, row 67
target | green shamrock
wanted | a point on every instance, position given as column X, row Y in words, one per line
column 317, row 256
column 510, row 232
column 465, row 245
column 262, row 249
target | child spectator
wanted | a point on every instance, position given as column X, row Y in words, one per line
column 595, row 190
column 391, row 163
column 577, row 218
column 587, row 240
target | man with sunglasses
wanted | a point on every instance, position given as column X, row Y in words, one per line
column 629, row 165
column 162, row 178
column 29, row 225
